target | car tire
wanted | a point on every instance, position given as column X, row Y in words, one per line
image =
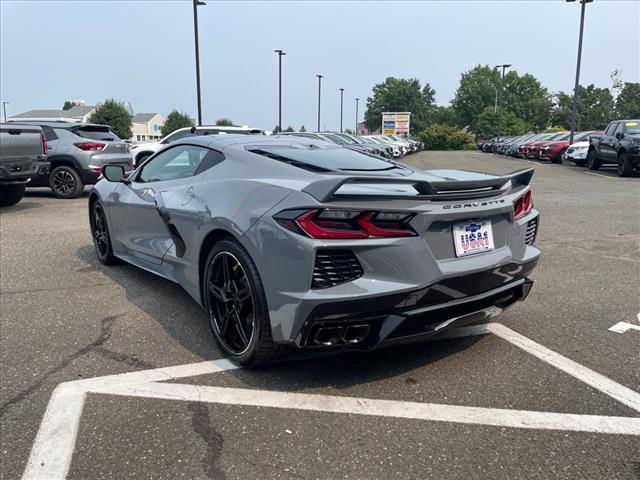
column 100, row 234
column 11, row 194
column 221, row 293
column 593, row 162
column 580, row 163
column 625, row 166
column 65, row 182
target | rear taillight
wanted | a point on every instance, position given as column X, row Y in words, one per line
column 523, row 204
column 332, row 224
column 90, row 146
column 45, row 147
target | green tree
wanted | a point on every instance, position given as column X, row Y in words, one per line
column 275, row 130
column 523, row 95
column 174, row 121
column 446, row 116
column 349, row 131
column 113, row 113
column 289, row 129
column 401, row 95
column 224, row 122
column 303, row 129
column 628, row 101
column 68, row 105
column 444, row 137
column 477, row 90
column 596, row 108
column 487, row 124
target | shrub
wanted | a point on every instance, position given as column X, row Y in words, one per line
column 469, row 146
column 444, row 137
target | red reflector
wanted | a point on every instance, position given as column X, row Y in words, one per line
column 90, row 145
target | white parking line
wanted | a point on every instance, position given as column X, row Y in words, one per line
column 599, row 175
column 623, row 327
column 53, row 448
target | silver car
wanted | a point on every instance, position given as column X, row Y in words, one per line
column 295, row 243
column 77, row 152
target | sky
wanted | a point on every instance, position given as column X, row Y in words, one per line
column 143, row 51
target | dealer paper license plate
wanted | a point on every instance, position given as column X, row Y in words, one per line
column 475, row 237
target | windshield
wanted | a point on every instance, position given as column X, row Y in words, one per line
column 331, row 158
column 346, row 138
column 633, row 127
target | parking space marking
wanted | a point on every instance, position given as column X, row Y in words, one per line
column 52, row 451
column 623, row 327
column 599, row 175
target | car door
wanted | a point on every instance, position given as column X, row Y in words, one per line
column 607, row 145
column 142, row 226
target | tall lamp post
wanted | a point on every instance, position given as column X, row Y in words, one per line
column 280, row 54
column 574, row 107
column 341, row 105
column 355, row 132
column 320, row 77
column 196, row 4
column 504, row 68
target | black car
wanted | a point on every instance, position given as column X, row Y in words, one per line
column 619, row 145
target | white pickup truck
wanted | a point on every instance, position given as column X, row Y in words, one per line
column 23, row 154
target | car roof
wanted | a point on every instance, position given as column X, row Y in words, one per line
column 59, row 124
column 219, row 142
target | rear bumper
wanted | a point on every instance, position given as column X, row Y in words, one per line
column 416, row 315
column 14, row 174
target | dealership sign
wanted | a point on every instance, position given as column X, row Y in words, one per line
column 395, row 123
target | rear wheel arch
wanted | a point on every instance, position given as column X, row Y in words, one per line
column 213, row 237
column 63, row 160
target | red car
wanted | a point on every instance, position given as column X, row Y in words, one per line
column 553, row 150
column 524, row 151
column 534, row 151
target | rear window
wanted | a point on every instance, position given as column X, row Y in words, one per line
column 96, row 133
column 49, row 134
column 328, row 159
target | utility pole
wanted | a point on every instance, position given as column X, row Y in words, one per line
column 280, row 54
column 320, row 77
column 504, row 67
column 574, row 106
column 197, row 3
column 341, row 105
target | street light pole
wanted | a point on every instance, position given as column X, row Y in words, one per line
column 320, row 77
column 280, row 54
column 355, row 132
column 341, row 105
column 197, row 3
column 504, row 67
column 574, row 106
column 4, row 110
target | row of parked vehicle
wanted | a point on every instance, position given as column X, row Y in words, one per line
column 618, row 145
column 68, row 156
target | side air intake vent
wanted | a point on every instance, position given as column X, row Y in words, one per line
column 532, row 231
column 333, row 267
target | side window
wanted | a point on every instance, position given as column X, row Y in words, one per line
column 178, row 135
column 620, row 128
column 211, row 159
column 611, row 129
column 49, row 133
column 181, row 161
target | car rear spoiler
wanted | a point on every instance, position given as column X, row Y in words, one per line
column 325, row 189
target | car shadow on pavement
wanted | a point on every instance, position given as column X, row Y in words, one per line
column 183, row 319
column 21, row 206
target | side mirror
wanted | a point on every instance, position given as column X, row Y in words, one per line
column 113, row 173
column 620, row 135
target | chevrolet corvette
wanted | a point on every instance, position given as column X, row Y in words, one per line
column 287, row 242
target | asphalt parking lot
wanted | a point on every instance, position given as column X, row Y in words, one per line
column 467, row 407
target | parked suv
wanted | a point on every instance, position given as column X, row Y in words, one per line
column 23, row 152
column 76, row 153
column 619, row 145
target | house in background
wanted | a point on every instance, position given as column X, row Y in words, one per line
column 147, row 127
column 77, row 113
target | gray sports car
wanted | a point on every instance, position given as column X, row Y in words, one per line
column 290, row 242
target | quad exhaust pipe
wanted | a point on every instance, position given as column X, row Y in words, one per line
column 340, row 335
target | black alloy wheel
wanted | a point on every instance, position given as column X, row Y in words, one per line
column 65, row 182
column 231, row 303
column 100, row 234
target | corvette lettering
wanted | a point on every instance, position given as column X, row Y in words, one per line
column 474, row 204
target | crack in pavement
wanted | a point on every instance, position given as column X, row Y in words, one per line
column 201, row 424
column 106, row 330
